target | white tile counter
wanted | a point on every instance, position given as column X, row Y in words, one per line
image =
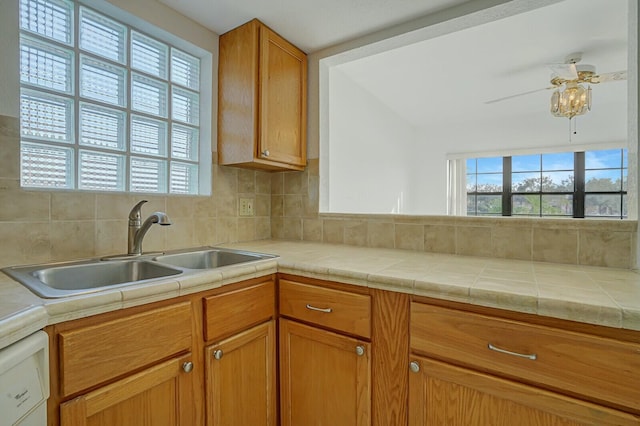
column 602, row 296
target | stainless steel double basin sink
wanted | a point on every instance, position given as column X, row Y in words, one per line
column 66, row 279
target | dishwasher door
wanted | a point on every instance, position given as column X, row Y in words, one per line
column 24, row 381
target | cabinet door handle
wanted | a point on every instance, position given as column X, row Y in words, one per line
column 265, row 153
column 187, row 367
column 325, row 310
column 359, row 350
column 532, row 357
column 217, row 354
column 414, row 366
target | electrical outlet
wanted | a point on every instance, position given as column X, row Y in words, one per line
column 246, row 207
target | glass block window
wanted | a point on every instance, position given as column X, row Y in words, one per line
column 105, row 106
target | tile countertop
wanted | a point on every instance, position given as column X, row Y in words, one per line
column 603, row 296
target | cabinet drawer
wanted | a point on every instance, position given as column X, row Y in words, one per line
column 603, row 369
column 228, row 313
column 335, row 309
column 95, row 354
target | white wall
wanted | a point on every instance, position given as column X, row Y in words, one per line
column 377, row 161
column 368, row 152
column 428, row 175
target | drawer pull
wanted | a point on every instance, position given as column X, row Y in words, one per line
column 532, row 357
column 325, row 310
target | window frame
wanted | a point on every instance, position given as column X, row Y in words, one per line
column 132, row 24
column 579, row 193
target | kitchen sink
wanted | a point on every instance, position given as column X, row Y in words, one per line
column 65, row 279
column 210, row 258
column 73, row 278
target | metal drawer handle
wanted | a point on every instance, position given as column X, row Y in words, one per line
column 325, row 310
column 532, row 357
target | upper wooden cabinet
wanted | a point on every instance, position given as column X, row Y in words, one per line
column 262, row 100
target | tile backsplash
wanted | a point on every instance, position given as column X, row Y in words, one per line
column 42, row 226
column 294, row 215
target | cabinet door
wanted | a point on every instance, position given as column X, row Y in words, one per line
column 283, row 100
column 442, row 394
column 241, row 379
column 324, row 377
column 158, row 396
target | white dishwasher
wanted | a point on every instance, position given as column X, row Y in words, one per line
column 24, row 381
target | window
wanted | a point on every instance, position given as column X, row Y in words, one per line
column 105, row 106
column 484, row 186
column 580, row 184
column 542, row 185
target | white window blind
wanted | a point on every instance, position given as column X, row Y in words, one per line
column 132, row 124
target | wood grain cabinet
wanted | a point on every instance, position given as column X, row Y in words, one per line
column 475, row 369
column 156, row 396
column 125, row 369
column 262, row 100
column 443, row 394
column 325, row 376
column 241, row 362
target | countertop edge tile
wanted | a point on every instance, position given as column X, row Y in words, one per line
column 610, row 316
column 22, row 324
column 142, row 294
column 65, row 309
column 630, row 318
column 199, row 281
column 306, row 259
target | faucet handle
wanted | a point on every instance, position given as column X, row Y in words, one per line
column 134, row 214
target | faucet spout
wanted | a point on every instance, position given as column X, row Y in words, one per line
column 137, row 230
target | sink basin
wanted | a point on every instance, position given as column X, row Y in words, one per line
column 88, row 276
column 210, row 258
column 69, row 279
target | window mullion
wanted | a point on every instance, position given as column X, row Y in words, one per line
column 129, row 166
column 76, row 95
column 579, row 188
column 506, row 186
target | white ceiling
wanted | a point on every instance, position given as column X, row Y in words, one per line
column 309, row 24
column 441, row 85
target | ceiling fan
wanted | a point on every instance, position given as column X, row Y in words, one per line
column 574, row 99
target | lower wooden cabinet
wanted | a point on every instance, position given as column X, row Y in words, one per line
column 240, row 379
column 325, row 377
column 443, row 394
column 158, row 396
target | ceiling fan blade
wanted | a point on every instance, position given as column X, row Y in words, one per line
column 609, row 76
column 492, row 101
column 565, row 71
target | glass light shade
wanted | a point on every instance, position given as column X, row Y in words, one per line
column 573, row 100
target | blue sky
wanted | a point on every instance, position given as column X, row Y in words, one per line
column 557, row 166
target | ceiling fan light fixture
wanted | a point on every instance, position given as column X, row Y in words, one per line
column 574, row 100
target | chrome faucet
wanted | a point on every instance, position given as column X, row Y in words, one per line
column 137, row 230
